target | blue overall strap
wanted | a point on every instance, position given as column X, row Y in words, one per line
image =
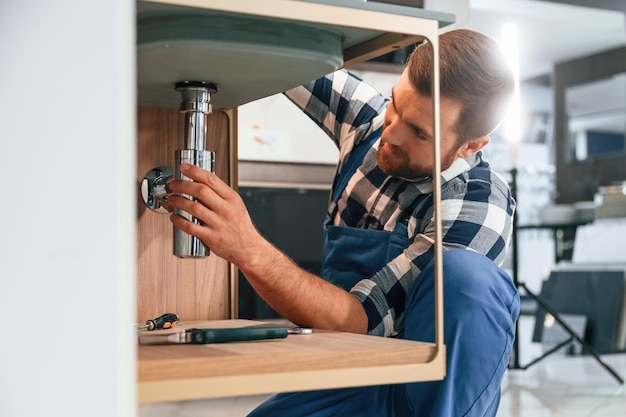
column 354, row 161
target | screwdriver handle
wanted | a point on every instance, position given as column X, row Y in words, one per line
column 165, row 321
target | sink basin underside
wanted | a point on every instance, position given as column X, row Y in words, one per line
column 247, row 57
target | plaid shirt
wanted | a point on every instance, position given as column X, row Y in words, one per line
column 476, row 203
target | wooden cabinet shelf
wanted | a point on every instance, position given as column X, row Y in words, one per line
column 320, row 360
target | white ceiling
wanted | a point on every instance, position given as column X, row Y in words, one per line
column 551, row 31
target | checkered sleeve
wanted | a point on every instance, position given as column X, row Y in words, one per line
column 342, row 104
column 476, row 211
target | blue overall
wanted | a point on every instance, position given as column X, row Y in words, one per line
column 481, row 305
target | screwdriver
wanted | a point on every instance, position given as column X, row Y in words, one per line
column 165, row 321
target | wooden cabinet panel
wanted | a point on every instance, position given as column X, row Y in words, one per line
column 195, row 289
column 320, row 360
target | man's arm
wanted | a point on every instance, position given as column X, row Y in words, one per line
column 341, row 104
column 228, row 231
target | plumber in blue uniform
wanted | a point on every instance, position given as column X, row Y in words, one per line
column 377, row 272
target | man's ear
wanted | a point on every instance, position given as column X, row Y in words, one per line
column 472, row 146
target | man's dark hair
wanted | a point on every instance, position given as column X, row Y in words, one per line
column 472, row 71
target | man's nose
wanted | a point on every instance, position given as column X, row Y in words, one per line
column 390, row 134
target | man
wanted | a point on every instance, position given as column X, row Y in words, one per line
column 378, row 246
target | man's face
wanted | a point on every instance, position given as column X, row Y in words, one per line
column 406, row 146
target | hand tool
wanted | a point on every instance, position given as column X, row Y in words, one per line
column 206, row 336
column 165, row 321
column 299, row 330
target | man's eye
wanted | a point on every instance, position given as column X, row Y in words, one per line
column 419, row 133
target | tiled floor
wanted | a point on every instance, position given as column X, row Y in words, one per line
column 557, row 386
column 562, row 385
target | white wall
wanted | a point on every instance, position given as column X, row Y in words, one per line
column 273, row 129
column 67, row 222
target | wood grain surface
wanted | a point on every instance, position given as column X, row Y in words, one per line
column 321, row 359
column 195, row 289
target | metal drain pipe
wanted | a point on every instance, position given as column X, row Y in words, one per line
column 195, row 106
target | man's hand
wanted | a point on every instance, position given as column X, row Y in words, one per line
column 227, row 229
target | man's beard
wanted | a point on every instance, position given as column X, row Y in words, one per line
column 401, row 167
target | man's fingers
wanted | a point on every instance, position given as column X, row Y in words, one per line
column 205, row 177
column 189, row 227
column 197, row 190
column 193, row 208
